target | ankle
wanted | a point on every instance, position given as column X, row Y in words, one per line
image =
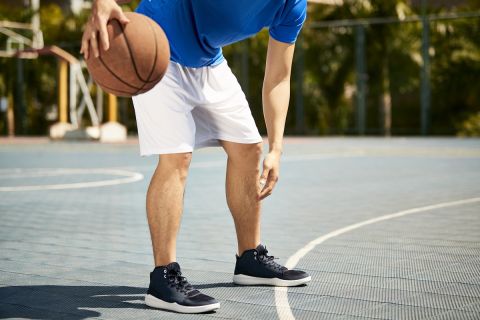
column 164, row 261
column 246, row 247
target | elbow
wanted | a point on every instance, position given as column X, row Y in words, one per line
column 273, row 79
column 269, row 83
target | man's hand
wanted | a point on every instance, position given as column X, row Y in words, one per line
column 269, row 177
column 96, row 27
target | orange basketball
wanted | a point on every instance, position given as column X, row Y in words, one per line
column 136, row 60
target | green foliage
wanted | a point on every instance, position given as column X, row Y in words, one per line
column 393, row 54
column 470, row 127
column 455, row 72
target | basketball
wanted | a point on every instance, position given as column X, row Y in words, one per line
column 137, row 59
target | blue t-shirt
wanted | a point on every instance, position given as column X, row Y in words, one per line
column 198, row 29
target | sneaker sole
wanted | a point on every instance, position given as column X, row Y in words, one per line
column 242, row 279
column 154, row 302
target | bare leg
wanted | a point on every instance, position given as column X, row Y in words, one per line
column 242, row 188
column 165, row 205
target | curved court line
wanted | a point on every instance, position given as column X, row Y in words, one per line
column 127, row 177
column 284, row 311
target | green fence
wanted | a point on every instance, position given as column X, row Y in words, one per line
column 394, row 84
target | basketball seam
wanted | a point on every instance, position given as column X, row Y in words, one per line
column 117, row 77
column 154, row 61
column 117, row 90
column 156, row 47
column 156, row 51
column 131, row 56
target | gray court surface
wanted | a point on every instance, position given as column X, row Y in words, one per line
column 74, row 242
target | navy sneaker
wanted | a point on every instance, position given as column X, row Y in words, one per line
column 170, row 291
column 256, row 267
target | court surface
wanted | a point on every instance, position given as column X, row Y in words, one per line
column 388, row 229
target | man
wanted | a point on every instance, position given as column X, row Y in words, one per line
column 199, row 103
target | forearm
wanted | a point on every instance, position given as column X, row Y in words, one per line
column 275, row 96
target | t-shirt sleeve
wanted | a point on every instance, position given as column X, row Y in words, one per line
column 288, row 26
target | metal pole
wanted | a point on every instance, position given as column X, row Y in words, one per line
column 112, row 108
column 19, row 98
column 99, row 103
column 425, row 72
column 10, row 116
column 36, row 22
column 361, row 77
column 62, row 91
column 299, row 76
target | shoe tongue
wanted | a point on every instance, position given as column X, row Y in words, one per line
column 261, row 249
column 174, row 266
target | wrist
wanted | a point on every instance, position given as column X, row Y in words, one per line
column 276, row 150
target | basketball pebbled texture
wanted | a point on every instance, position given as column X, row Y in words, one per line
column 137, row 59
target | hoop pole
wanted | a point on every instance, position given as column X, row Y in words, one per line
column 425, row 73
column 10, row 116
column 112, row 108
column 62, row 91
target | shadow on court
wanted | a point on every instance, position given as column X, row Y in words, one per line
column 73, row 301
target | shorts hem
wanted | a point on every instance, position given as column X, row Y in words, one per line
column 215, row 142
column 157, row 151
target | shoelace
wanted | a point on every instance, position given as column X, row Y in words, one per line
column 269, row 260
column 175, row 279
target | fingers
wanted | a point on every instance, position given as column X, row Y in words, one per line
column 96, row 32
column 94, row 44
column 89, row 40
column 120, row 16
column 101, row 24
column 85, row 47
column 271, row 181
column 263, row 177
column 102, row 29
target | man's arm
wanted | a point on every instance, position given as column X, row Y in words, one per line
column 275, row 96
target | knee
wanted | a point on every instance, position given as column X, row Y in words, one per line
column 176, row 163
column 247, row 153
column 257, row 150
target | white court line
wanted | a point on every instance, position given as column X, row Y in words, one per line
column 286, row 159
column 281, row 296
column 127, row 177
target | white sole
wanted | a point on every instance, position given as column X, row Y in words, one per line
column 154, row 302
column 242, row 279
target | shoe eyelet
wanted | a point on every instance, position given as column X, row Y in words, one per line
column 255, row 253
column 164, row 270
column 255, row 258
column 165, row 276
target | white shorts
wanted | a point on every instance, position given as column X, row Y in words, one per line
column 193, row 108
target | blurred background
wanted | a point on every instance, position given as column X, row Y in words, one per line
column 379, row 67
